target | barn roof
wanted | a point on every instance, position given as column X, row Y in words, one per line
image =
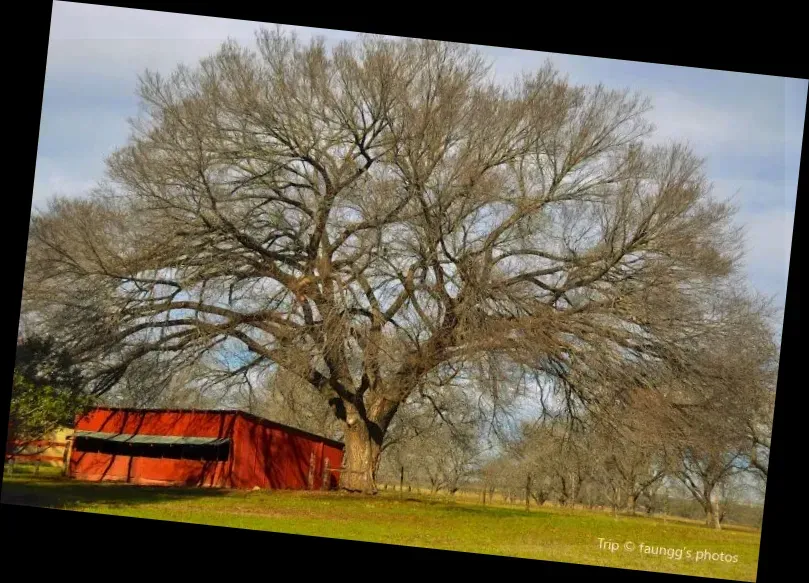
column 250, row 416
column 152, row 439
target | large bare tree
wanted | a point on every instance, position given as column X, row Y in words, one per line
column 381, row 217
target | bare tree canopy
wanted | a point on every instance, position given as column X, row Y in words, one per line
column 384, row 217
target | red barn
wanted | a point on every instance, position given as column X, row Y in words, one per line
column 216, row 448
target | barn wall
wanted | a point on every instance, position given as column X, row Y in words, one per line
column 290, row 457
column 251, row 446
column 268, row 456
column 263, row 454
column 147, row 471
column 143, row 470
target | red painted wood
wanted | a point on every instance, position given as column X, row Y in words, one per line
column 263, row 453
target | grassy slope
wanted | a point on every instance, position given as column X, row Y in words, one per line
column 549, row 533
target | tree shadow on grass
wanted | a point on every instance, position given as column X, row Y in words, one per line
column 69, row 494
column 500, row 512
column 456, row 506
column 425, row 501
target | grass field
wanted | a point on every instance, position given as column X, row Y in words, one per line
column 554, row 534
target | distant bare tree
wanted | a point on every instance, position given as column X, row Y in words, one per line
column 706, row 428
column 629, row 469
column 759, row 427
column 383, row 217
column 760, row 450
column 703, row 473
column 655, row 496
column 556, row 456
column 537, row 453
column 627, row 444
column 446, row 461
column 436, row 438
column 495, row 474
column 731, row 492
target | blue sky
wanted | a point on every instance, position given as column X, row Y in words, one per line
column 749, row 127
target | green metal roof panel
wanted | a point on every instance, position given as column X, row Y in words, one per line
column 152, row 439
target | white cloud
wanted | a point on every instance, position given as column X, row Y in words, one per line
column 768, row 244
column 116, row 44
column 89, row 21
column 733, row 128
column 55, row 178
column 756, row 195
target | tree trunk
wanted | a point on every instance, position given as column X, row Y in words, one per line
column 528, row 493
column 631, row 503
column 575, row 484
column 365, row 426
column 361, row 459
column 713, row 514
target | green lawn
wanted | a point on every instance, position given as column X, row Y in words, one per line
column 548, row 533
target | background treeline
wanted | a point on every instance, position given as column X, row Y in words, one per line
column 636, row 457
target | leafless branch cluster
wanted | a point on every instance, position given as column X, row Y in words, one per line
column 383, row 218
